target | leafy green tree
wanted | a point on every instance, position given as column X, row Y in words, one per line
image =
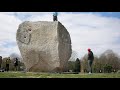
column 84, row 63
column 108, row 68
column 71, row 65
column 71, row 61
column 110, row 58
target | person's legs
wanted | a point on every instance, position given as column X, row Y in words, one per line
column 0, row 65
column 14, row 68
column 90, row 66
column 54, row 18
column 7, row 67
column 17, row 67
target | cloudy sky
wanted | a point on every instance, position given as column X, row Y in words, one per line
column 96, row 30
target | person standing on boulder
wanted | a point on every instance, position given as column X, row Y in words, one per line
column 55, row 14
column 90, row 60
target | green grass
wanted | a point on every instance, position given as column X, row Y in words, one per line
column 57, row 75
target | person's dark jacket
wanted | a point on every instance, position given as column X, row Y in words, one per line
column 16, row 62
column 90, row 56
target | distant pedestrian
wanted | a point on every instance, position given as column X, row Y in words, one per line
column 16, row 64
column 90, row 60
column 0, row 62
column 55, row 14
column 7, row 63
column 77, row 65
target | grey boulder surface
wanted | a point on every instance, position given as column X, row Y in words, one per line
column 44, row 46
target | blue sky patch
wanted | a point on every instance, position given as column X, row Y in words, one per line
column 9, row 44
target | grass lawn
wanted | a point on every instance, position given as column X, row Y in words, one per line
column 57, row 75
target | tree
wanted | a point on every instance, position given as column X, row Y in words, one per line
column 15, row 55
column 12, row 56
column 110, row 58
column 71, row 65
column 73, row 56
column 108, row 68
column 107, row 62
column 71, row 61
column 84, row 63
column 96, row 64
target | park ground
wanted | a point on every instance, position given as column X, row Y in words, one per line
column 56, row 75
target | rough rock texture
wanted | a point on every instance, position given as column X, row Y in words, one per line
column 44, row 46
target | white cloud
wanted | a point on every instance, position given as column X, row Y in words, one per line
column 94, row 31
column 8, row 28
column 87, row 30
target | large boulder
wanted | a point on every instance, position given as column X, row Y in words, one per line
column 44, row 46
